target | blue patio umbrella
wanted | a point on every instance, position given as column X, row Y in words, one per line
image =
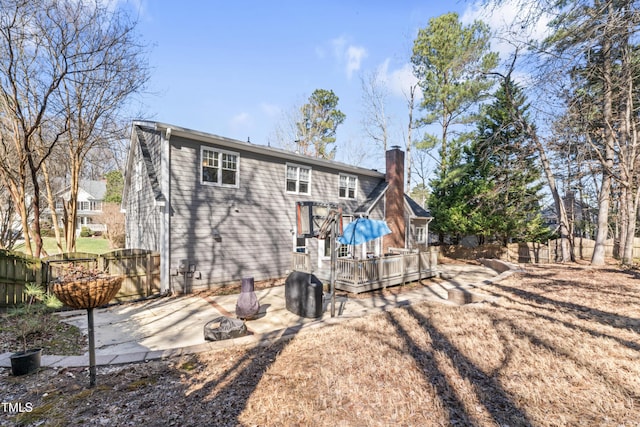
column 363, row 230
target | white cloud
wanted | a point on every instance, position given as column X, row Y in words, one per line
column 355, row 55
column 398, row 80
column 348, row 55
column 338, row 45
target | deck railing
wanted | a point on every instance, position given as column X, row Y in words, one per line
column 301, row 261
column 358, row 275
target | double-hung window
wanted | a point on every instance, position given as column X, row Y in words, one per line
column 421, row 235
column 298, row 179
column 348, row 186
column 219, row 167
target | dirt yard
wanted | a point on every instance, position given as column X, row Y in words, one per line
column 556, row 346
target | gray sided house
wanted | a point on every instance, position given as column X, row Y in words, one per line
column 226, row 209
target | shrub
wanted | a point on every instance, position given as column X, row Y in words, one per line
column 86, row 232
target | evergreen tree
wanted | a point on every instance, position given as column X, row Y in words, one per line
column 115, row 187
column 455, row 201
column 318, row 124
column 451, row 62
column 503, row 159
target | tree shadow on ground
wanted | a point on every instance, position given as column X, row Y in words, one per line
column 488, row 391
column 577, row 310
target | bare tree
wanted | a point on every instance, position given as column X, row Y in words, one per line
column 375, row 121
column 66, row 69
column 113, row 219
column 596, row 39
column 285, row 134
column 33, row 40
column 8, row 236
column 411, row 97
column 113, row 70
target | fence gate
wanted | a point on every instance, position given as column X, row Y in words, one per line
column 141, row 269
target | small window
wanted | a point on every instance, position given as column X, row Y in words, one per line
column 348, row 186
column 301, row 245
column 219, row 167
column 421, row 235
column 341, row 250
column 298, row 179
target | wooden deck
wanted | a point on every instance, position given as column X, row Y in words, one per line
column 361, row 275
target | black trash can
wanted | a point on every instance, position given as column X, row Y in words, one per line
column 303, row 294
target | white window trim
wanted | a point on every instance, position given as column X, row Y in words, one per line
column 424, row 235
column 296, row 247
column 219, row 183
column 286, row 177
column 322, row 243
column 355, row 189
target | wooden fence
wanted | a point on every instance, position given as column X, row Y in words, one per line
column 141, row 269
column 533, row 252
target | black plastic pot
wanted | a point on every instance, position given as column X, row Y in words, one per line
column 25, row 362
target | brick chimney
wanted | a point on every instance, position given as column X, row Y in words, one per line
column 394, row 199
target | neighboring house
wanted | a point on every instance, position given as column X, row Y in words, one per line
column 226, row 209
column 582, row 217
column 90, row 196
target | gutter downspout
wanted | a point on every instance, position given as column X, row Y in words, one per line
column 165, row 235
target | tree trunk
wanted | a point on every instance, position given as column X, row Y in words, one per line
column 35, row 202
column 72, row 207
column 410, row 105
column 604, row 198
column 52, row 207
column 566, row 249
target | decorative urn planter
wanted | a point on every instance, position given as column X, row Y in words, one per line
column 88, row 289
column 87, row 292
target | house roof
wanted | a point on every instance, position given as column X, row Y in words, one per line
column 151, row 171
column 372, row 199
column 415, row 210
column 94, row 189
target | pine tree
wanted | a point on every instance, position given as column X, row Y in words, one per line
column 509, row 208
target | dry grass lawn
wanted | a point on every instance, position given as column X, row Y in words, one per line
column 560, row 346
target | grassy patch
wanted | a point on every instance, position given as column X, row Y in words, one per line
column 92, row 245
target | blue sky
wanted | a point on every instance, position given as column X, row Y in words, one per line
column 236, row 68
